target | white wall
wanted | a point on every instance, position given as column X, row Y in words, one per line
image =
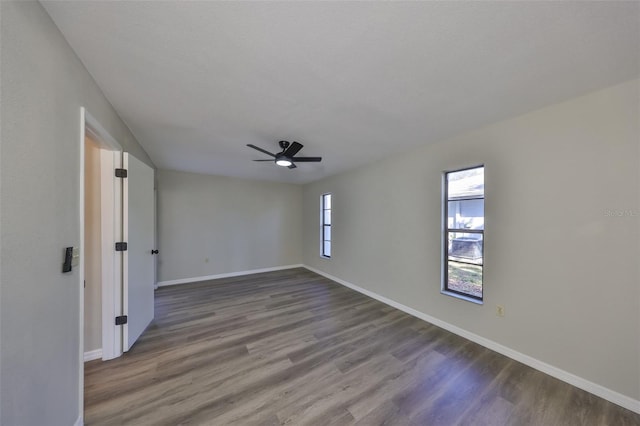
column 43, row 87
column 210, row 225
column 563, row 267
column 92, row 248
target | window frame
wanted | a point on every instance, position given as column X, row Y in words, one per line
column 446, row 230
column 324, row 225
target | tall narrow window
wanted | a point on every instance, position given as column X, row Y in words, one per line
column 463, row 232
column 325, row 218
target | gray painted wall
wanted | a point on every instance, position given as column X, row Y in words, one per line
column 236, row 224
column 557, row 256
column 43, row 87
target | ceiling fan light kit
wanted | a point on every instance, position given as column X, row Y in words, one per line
column 283, row 162
column 287, row 158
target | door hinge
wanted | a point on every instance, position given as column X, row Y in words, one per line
column 121, row 173
column 122, row 319
column 121, row 246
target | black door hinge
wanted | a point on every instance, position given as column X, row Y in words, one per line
column 121, row 173
column 122, row 319
column 121, row 246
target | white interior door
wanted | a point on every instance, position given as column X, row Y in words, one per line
column 138, row 232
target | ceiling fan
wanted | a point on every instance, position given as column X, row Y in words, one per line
column 286, row 157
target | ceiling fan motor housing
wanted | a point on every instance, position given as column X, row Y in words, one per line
column 284, row 145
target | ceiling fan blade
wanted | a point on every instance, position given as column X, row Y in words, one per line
column 260, row 149
column 292, row 149
column 264, row 160
column 292, row 166
column 307, row 159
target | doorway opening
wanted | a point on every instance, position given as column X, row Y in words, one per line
column 117, row 239
column 92, row 282
column 101, row 201
column 99, row 221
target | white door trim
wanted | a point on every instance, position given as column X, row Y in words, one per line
column 111, row 232
column 99, row 133
column 124, row 345
column 83, row 127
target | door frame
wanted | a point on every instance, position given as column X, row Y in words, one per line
column 89, row 125
column 111, row 204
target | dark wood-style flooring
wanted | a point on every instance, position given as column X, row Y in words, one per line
column 291, row 347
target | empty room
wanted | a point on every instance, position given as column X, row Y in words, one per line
column 319, row 213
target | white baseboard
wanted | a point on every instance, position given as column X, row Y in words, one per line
column 579, row 382
column 227, row 275
column 91, row 355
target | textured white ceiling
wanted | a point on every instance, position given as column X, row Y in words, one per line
column 352, row 81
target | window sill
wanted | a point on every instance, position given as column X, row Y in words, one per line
column 460, row 296
column 325, row 257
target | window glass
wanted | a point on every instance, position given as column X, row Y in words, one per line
column 325, row 230
column 464, row 233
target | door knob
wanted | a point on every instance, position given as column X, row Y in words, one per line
column 154, row 251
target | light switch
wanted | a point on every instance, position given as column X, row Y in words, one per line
column 75, row 259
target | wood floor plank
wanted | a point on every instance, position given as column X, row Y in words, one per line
column 293, row 348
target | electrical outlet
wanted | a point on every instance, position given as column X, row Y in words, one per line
column 500, row 311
